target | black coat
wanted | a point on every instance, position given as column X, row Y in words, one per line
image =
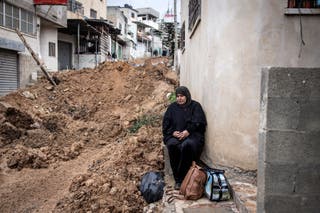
column 179, row 118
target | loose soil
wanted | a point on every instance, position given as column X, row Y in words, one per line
column 84, row 145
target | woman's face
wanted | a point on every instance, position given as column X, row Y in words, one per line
column 181, row 99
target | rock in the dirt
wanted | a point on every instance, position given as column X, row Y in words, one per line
column 127, row 98
column 9, row 132
column 28, row 95
column 18, row 118
column 113, row 191
column 102, row 143
column 95, row 207
column 2, row 118
column 4, row 106
column 172, row 77
column 89, row 182
column 50, row 87
column 137, row 87
column 21, row 157
column 35, row 125
column 76, row 147
column 36, row 138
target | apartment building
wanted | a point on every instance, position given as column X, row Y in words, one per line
column 149, row 36
column 140, row 35
column 121, row 44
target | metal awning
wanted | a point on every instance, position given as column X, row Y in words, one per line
column 139, row 23
column 93, row 26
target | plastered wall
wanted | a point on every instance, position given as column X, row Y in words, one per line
column 97, row 5
column 49, row 34
column 221, row 65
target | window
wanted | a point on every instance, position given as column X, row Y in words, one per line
column 8, row 16
column 27, row 22
column 120, row 26
column 303, row 3
column 13, row 17
column 1, row 13
column 307, row 7
column 194, row 14
column 52, row 49
column 182, row 41
column 75, row 7
column 133, row 15
column 93, row 13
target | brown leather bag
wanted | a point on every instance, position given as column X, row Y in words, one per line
column 192, row 187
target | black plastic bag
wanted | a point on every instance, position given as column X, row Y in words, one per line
column 151, row 187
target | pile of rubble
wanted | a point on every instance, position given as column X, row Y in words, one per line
column 84, row 145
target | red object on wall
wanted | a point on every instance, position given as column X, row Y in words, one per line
column 50, row 2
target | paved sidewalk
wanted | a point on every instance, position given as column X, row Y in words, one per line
column 202, row 205
column 243, row 184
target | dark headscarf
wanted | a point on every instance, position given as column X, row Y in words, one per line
column 185, row 92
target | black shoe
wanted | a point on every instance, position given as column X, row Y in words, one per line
column 177, row 186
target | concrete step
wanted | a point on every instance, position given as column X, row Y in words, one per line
column 243, row 190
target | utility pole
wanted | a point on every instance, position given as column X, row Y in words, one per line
column 175, row 54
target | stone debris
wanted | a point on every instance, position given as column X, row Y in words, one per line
column 40, row 135
column 29, row 95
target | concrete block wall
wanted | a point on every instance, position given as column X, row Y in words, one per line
column 27, row 66
column 289, row 140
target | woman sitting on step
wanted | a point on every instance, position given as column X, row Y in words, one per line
column 183, row 129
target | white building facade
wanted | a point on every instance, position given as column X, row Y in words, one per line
column 225, row 46
column 39, row 26
column 149, row 35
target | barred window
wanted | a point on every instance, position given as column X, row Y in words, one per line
column 194, row 14
column 303, row 3
column 52, row 49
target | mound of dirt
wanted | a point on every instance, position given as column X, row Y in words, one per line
column 113, row 112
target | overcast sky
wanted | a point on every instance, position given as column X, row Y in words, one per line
column 160, row 5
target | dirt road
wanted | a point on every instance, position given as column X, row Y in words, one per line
column 84, row 145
